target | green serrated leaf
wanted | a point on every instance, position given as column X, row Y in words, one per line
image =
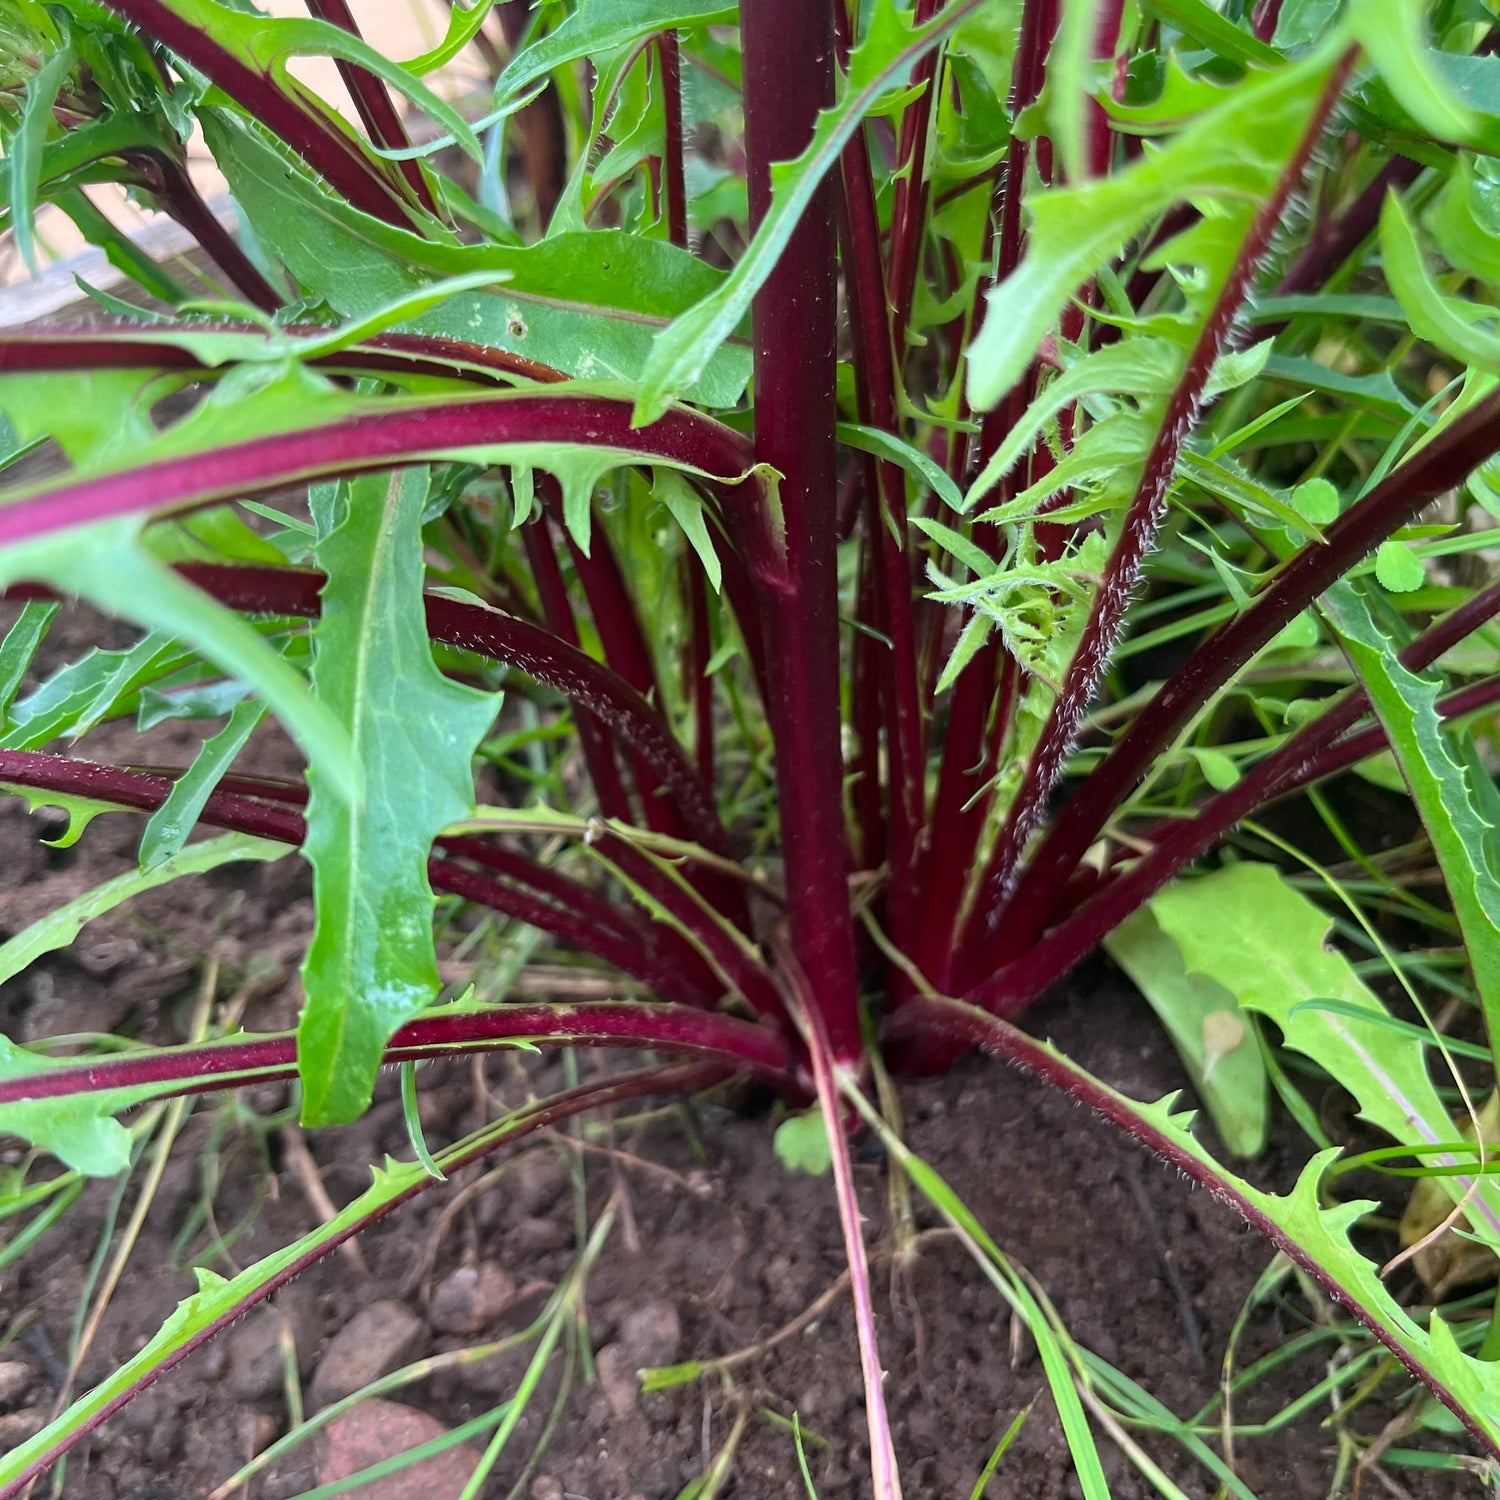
column 1246, row 929
column 372, row 963
column 78, row 1130
column 107, row 565
column 1406, row 705
column 18, row 648
column 686, row 508
column 24, row 149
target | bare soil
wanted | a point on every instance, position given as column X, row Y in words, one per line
column 716, row 1247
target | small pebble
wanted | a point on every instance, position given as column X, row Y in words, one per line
column 373, row 1342
column 376, row 1430
column 17, row 1426
column 15, row 1380
column 618, row 1380
column 651, row 1335
column 468, row 1298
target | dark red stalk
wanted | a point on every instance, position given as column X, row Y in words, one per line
column 599, row 756
column 788, row 77
column 1263, row 21
column 1314, row 751
column 59, row 774
column 959, row 817
column 373, row 102
column 557, row 610
column 957, row 1026
column 126, row 346
column 399, row 432
column 669, row 60
column 885, row 538
column 325, row 148
column 988, row 944
column 177, row 195
column 625, row 648
column 909, row 204
column 1440, row 465
column 1334, row 241
column 682, row 1029
column 689, row 1078
column 1356, row 747
column 698, row 685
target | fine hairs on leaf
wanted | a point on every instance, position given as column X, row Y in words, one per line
column 763, row 536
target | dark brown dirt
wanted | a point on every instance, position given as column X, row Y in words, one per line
column 716, row 1246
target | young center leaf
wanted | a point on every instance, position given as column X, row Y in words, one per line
column 372, row 964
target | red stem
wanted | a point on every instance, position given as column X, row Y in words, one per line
column 606, row 1023
column 374, row 103
column 788, row 77
column 909, row 204
column 669, row 59
column 885, row 532
column 398, row 432
column 549, row 655
column 175, row 191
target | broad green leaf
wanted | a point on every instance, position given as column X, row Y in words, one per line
column 24, row 149
column 587, row 304
column 58, row 928
column 167, row 828
column 884, row 57
column 1406, row 705
column 1432, row 315
column 1214, row 1041
column 1234, row 153
column 372, row 964
column 106, row 565
column 1246, row 929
